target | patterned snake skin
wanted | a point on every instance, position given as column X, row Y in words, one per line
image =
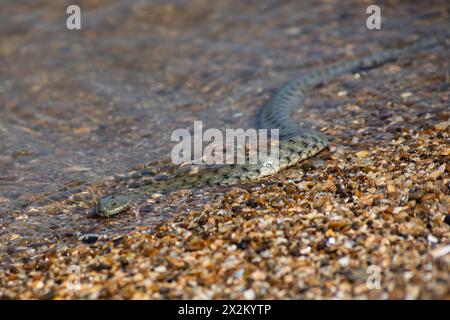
column 296, row 143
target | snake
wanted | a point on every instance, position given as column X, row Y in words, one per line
column 296, row 142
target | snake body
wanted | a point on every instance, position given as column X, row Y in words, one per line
column 297, row 143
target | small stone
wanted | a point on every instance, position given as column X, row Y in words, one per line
column 134, row 185
column 344, row 261
column 437, row 173
column 258, row 275
column 440, row 252
column 330, row 233
column 442, row 125
column 136, row 175
column 293, row 31
column 432, row 239
column 238, row 274
column 14, row 236
column 405, row 95
column 249, row 294
column 160, row 269
column 305, row 250
column 447, row 219
column 266, row 254
column 89, row 238
column 391, row 188
column 397, row 210
column 362, row 154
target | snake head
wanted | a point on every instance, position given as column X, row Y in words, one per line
column 110, row 206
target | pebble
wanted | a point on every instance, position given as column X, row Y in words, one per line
column 405, row 95
column 344, row 261
column 89, row 238
column 447, row 219
column 249, row 294
column 432, row 239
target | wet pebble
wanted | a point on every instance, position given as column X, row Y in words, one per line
column 89, row 238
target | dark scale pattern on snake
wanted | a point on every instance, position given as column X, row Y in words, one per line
column 296, row 143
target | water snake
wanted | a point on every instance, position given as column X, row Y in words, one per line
column 297, row 143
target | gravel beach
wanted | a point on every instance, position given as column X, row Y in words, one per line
column 87, row 113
